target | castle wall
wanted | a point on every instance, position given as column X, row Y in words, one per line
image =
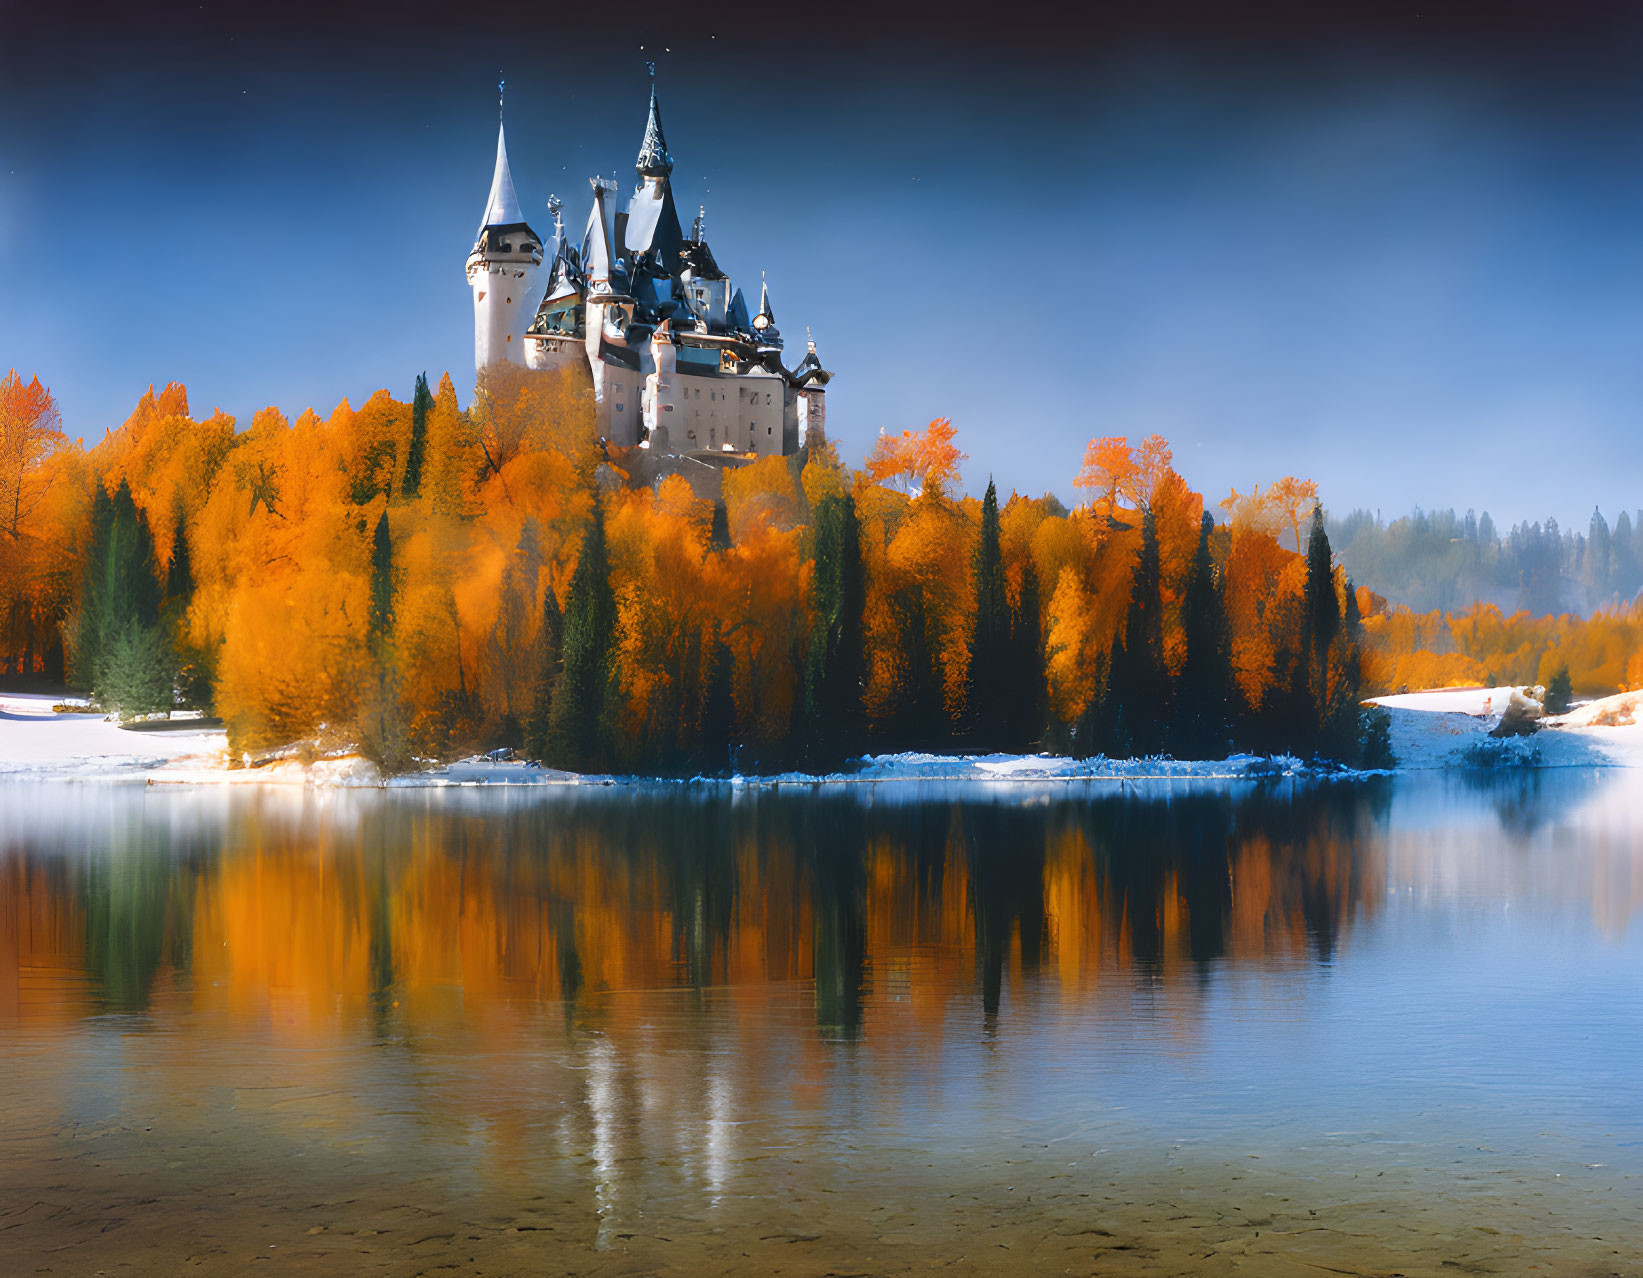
column 761, row 402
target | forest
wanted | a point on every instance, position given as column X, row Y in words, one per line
column 1440, row 561
column 419, row 581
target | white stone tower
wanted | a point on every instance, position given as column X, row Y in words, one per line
column 503, row 272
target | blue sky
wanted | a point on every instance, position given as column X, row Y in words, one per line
column 1405, row 265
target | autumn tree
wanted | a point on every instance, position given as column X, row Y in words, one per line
column 917, row 462
column 30, row 431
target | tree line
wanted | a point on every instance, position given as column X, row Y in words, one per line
column 1441, row 561
column 418, row 581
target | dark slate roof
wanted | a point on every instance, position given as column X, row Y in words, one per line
column 654, row 161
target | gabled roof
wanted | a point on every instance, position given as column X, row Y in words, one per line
column 502, row 208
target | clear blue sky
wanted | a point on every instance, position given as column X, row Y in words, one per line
column 1403, row 259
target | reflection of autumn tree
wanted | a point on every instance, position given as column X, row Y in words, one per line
column 888, row 907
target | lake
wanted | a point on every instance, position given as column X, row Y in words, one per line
column 1098, row 1028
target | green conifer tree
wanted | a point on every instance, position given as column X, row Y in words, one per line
column 579, row 726
column 380, row 621
column 549, row 662
column 718, row 537
column 1143, row 696
column 383, row 728
column 422, row 403
column 718, row 736
column 194, row 663
column 1559, row 692
column 120, row 652
column 1027, row 710
column 919, row 720
column 988, row 691
column 1200, row 719
column 1334, row 716
column 834, row 662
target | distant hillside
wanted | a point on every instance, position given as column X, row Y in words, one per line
column 1438, row 559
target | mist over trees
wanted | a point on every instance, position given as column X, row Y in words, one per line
column 1438, row 560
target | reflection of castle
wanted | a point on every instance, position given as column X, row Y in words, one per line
column 678, row 365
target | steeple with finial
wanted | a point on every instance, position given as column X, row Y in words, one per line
column 654, row 160
column 764, row 323
column 503, row 267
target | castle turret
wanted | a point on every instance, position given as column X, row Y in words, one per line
column 503, row 271
column 811, row 379
column 662, row 395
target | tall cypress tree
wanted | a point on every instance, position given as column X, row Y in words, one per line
column 718, row 737
column 549, row 663
column 1323, row 624
column 835, row 664
column 380, row 621
column 1201, row 713
column 1029, row 688
column 578, row 727
column 86, row 650
column 179, row 573
column 1144, row 695
column 987, row 690
column 421, row 403
column 194, row 662
column 919, row 720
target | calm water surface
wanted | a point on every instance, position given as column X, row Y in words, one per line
column 1384, row 1029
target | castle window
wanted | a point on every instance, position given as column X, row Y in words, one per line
column 768, row 430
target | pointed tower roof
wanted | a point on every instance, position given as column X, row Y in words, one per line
column 654, row 161
column 766, row 315
column 810, row 368
column 502, row 209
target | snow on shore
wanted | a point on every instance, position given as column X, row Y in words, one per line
column 1437, row 729
column 1429, row 730
column 36, row 742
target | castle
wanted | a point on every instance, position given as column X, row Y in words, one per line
column 679, row 367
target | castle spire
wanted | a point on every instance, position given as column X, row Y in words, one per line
column 766, row 318
column 502, row 208
column 654, row 161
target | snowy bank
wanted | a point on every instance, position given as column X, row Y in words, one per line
column 38, row 742
column 1449, row 727
column 1439, row 729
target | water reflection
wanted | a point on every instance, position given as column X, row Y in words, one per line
column 389, row 901
column 687, row 1004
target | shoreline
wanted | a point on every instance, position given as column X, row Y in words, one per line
column 1431, row 730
